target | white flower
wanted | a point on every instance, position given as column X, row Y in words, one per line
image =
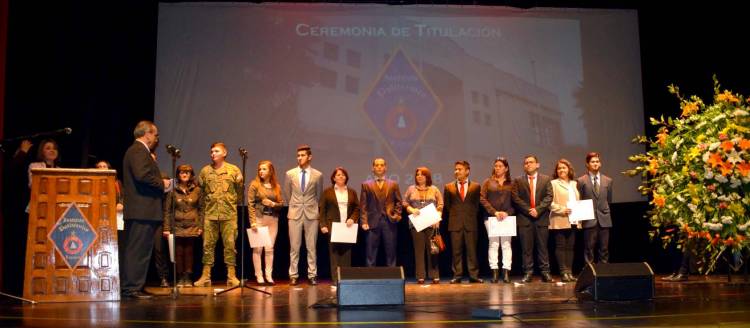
column 734, row 182
column 680, row 198
column 739, row 112
column 715, row 227
column 674, row 156
column 692, row 207
column 705, row 224
column 713, row 146
column 709, row 174
column 742, row 227
column 705, row 156
column 700, row 125
column 734, row 157
column 721, row 179
column 726, row 220
column 669, row 181
column 718, row 118
column 714, row 220
column 745, row 180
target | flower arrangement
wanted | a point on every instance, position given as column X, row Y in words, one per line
column 697, row 172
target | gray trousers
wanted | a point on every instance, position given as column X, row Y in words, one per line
column 310, row 228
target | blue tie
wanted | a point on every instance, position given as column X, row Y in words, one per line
column 302, row 185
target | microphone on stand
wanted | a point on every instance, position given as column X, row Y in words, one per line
column 173, row 150
column 243, row 152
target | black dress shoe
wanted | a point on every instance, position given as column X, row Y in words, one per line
column 435, row 281
column 546, row 277
column 292, row 281
column 136, row 295
column 680, row 277
column 526, row 277
column 456, row 281
column 495, row 276
column 313, row 281
column 506, row 276
column 420, row 281
column 476, row 280
column 164, row 283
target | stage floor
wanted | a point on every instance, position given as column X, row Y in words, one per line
column 703, row 301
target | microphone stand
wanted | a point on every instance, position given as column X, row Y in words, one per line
column 173, row 198
column 241, row 213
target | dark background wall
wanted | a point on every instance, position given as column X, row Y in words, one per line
column 91, row 67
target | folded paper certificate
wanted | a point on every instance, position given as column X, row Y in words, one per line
column 581, row 210
column 428, row 216
column 170, row 242
column 120, row 221
column 340, row 233
column 260, row 238
column 502, row 228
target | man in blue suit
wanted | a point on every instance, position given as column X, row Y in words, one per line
column 380, row 210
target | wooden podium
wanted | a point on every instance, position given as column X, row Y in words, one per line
column 71, row 250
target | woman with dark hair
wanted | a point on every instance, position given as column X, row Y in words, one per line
column 105, row 165
column 495, row 196
column 339, row 203
column 188, row 222
column 564, row 190
column 264, row 203
column 47, row 156
column 416, row 197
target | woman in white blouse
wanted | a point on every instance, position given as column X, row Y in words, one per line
column 339, row 203
column 564, row 189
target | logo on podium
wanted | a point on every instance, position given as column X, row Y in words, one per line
column 72, row 235
column 401, row 106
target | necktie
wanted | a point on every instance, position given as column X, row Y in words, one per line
column 461, row 190
column 532, row 191
column 302, row 184
column 596, row 184
column 380, row 183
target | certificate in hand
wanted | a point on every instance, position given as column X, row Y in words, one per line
column 340, row 233
column 503, row 228
column 260, row 238
column 581, row 210
column 428, row 216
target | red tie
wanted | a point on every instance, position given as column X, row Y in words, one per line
column 531, row 188
column 461, row 190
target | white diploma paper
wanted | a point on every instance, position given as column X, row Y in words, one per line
column 428, row 216
column 340, row 233
column 503, row 228
column 120, row 221
column 170, row 242
column 260, row 238
column 581, row 210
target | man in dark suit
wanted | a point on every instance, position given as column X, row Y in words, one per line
column 532, row 196
column 380, row 210
column 462, row 206
column 143, row 190
column 597, row 187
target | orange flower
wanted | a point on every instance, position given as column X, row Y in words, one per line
column 689, row 108
column 659, row 200
column 661, row 139
column 727, row 145
column 729, row 241
column 715, row 160
column 727, row 96
column 653, row 165
column 726, row 168
column 744, row 144
column 744, row 168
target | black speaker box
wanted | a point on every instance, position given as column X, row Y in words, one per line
column 370, row 286
column 615, row 282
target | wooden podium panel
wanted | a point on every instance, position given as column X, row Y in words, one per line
column 71, row 249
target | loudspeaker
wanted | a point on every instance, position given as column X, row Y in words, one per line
column 615, row 282
column 370, row 286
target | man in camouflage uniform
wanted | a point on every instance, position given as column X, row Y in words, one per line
column 221, row 188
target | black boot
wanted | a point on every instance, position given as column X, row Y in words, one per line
column 495, row 275
column 506, row 276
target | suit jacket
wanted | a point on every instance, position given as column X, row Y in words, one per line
column 602, row 199
column 143, row 189
column 302, row 205
column 329, row 207
column 462, row 214
column 521, row 200
column 376, row 204
column 561, row 193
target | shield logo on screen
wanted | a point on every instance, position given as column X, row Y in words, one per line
column 401, row 106
column 72, row 235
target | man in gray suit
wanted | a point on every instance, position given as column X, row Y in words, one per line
column 302, row 190
column 598, row 187
column 532, row 196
